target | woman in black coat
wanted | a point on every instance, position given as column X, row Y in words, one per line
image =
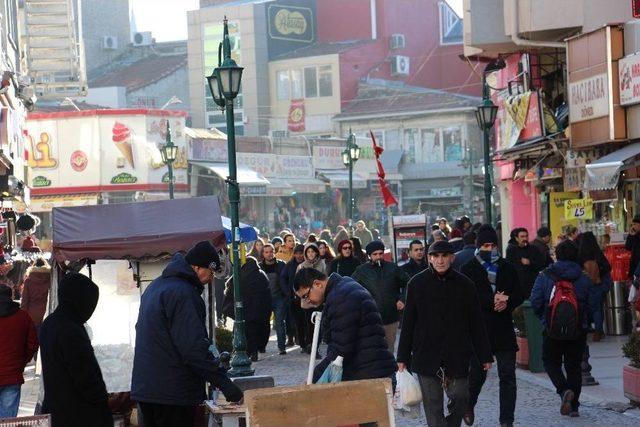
column 345, row 263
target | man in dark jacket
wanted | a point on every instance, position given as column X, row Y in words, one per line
column 19, row 344
column 496, row 281
column 556, row 352
column 301, row 322
column 633, row 244
column 417, row 261
column 525, row 258
column 351, row 323
column 442, row 329
column 172, row 359
column 541, row 243
column 467, row 253
column 70, row 371
column 386, row 282
column 280, row 294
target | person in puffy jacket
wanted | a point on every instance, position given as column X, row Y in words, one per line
column 351, row 325
column 36, row 291
column 172, row 360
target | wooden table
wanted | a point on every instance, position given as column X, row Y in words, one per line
column 224, row 414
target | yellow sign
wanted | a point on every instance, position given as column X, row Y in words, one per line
column 290, row 22
column 556, row 213
column 578, row 209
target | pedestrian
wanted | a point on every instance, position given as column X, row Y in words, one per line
column 341, row 235
column 172, row 360
column 417, row 260
column 256, row 250
column 363, row 233
column 19, row 343
column 375, row 233
column 286, row 250
column 438, row 236
column 36, row 291
column 358, row 252
column 431, row 239
column 70, row 371
column 598, row 269
column 442, row 329
column 466, row 224
column 326, row 252
column 541, row 243
column 344, row 263
column 326, row 236
column 571, row 232
column 497, row 285
column 386, row 282
column 276, row 242
column 312, row 258
column 280, row 298
column 467, row 252
column 456, row 240
column 351, row 325
column 563, row 279
column 633, row 244
column 302, row 329
column 525, row 258
column 256, row 299
column 443, row 225
column 311, row 238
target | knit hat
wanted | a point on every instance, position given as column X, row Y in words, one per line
column 441, row 247
column 374, row 245
column 544, row 232
column 298, row 248
column 204, row 255
column 276, row 239
column 486, row 234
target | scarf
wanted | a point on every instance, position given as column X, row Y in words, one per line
column 489, row 265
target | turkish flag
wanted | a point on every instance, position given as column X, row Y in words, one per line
column 376, row 148
column 387, row 196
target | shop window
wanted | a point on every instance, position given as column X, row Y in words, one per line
column 324, row 80
column 296, row 84
column 409, row 146
column 452, row 142
column 431, row 146
column 283, row 88
column 310, row 82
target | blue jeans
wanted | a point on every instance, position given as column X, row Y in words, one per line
column 280, row 306
column 9, row 400
column 597, row 295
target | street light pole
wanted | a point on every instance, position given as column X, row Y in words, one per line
column 486, row 116
column 169, row 153
column 349, row 156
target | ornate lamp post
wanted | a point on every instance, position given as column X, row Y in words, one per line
column 224, row 84
column 169, row 153
column 486, row 116
column 350, row 156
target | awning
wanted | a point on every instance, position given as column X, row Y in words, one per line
column 603, row 173
column 340, row 179
column 246, row 176
column 279, row 187
column 46, row 203
column 308, row 185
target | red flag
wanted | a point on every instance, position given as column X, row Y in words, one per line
column 387, row 196
column 296, row 121
column 376, row 149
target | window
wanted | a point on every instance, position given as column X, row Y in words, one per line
column 431, row 147
column 282, row 85
column 324, row 80
column 310, row 82
column 296, row 84
column 452, row 142
column 409, row 146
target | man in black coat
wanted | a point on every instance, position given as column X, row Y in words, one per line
column 303, row 326
column 351, row 325
column 496, row 281
column 417, row 261
column 525, row 258
column 442, row 329
column 467, row 252
column 280, row 296
column 172, row 360
column 541, row 243
column 633, row 244
column 74, row 391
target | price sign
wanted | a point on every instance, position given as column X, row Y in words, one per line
column 578, row 209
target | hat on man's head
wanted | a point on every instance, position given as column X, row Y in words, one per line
column 441, row 247
column 543, row 232
column 374, row 245
column 204, row 255
column 486, row 234
column 299, row 248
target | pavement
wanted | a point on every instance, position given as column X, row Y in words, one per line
column 537, row 403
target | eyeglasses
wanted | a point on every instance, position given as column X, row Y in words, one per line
column 305, row 297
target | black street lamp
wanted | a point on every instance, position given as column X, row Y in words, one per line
column 169, row 153
column 224, row 84
column 350, row 156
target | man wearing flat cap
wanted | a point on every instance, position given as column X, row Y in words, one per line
column 442, row 329
column 385, row 281
column 172, row 359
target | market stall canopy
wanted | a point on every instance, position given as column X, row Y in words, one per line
column 138, row 231
column 246, row 176
column 248, row 233
column 603, row 173
column 340, row 179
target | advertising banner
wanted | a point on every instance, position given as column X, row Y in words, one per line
column 557, row 218
column 579, row 209
column 589, row 98
column 296, row 116
column 629, row 73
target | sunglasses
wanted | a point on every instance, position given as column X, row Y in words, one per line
column 347, row 248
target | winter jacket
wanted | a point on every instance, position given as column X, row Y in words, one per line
column 287, row 276
column 633, row 244
column 353, row 329
column 442, row 325
column 36, row 293
column 543, row 248
column 344, row 266
column 463, row 257
column 18, row 338
column 277, row 287
column 318, row 264
column 256, row 295
column 527, row 274
column 172, row 359
column 457, row 243
column 499, row 324
column 412, row 268
column 364, row 235
column 74, row 391
column 565, row 270
column 386, row 283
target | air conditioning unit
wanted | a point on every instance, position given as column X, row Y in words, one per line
column 397, row 41
column 110, row 43
column 400, row 65
column 279, row 134
column 142, row 39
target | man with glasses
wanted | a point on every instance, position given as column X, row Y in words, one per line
column 351, row 325
column 417, row 261
column 172, row 359
column 344, row 263
column 442, row 329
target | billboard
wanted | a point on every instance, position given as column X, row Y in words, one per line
column 291, row 24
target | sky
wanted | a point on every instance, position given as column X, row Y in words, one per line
column 167, row 19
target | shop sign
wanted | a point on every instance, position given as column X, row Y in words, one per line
column 46, row 204
column 589, row 98
column 573, row 179
column 263, row 163
column 629, row 75
column 41, row 181
column 296, row 116
column 291, row 23
column 213, row 150
column 294, row 167
column 581, row 209
column 253, row 190
column 531, row 175
column 327, row 157
column 124, row 178
column 446, row 192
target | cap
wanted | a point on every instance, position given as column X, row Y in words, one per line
column 204, row 255
column 374, row 245
column 441, row 247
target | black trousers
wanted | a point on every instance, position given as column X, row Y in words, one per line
column 156, row 415
column 506, row 361
column 218, row 290
column 257, row 333
column 299, row 318
column 555, row 355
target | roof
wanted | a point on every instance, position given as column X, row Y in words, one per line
column 320, row 49
column 141, row 73
column 199, row 133
column 56, row 107
column 382, row 99
column 41, row 115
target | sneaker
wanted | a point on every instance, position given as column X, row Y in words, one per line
column 469, row 417
column 567, row 400
column 282, row 352
column 574, row 414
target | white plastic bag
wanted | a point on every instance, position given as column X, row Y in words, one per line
column 408, row 391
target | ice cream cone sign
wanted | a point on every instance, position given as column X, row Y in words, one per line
column 122, row 141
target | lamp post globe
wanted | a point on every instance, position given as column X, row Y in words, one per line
column 229, row 76
column 486, row 114
column 218, row 98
